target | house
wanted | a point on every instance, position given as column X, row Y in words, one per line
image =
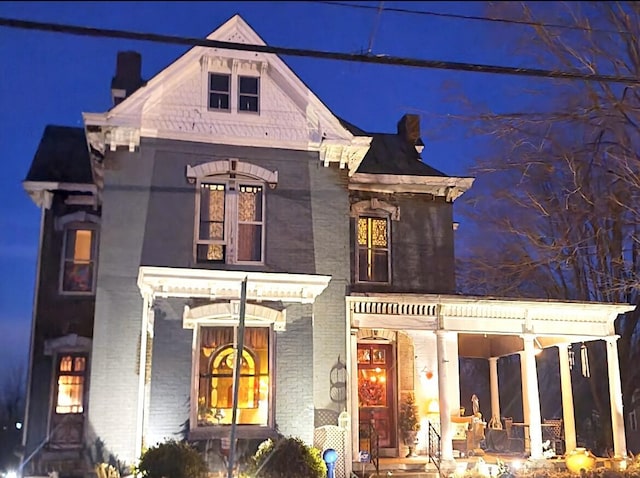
column 222, row 195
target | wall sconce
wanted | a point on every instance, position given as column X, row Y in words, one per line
column 427, row 373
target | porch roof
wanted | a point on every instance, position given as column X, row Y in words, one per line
column 488, row 326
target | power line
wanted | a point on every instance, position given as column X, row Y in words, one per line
column 376, row 59
column 472, row 17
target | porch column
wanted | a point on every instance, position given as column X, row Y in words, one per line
column 445, row 357
column 525, row 390
column 354, row 410
column 568, row 414
column 533, row 398
column 615, row 394
column 146, row 327
column 495, row 391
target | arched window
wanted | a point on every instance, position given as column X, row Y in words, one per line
column 217, row 362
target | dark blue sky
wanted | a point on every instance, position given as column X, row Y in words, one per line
column 51, row 78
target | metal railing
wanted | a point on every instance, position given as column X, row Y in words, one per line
column 434, row 446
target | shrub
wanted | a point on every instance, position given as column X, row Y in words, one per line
column 172, row 459
column 286, row 457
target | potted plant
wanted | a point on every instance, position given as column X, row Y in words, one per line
column 409, row 423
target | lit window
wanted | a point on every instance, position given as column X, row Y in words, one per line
column 219, row 91
column 70, row 384
column 216, row 367
column 78, row 268
column 248, row 93
column 373, row 249
column 231, row 224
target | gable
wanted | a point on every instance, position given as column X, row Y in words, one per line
column 175, row 105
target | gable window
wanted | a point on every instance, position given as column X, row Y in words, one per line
column 231, row 224
column 69, row 396
column 79, row 260
column 373, row 249
column 217, row 359
column 219, row 91
column 248, row 96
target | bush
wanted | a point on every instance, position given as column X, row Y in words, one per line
column 286, row 458
column 172, row 459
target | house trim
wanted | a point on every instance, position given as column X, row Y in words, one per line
column 447, row 187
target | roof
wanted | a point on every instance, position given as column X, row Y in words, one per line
column 62, row 156
column 390, row 153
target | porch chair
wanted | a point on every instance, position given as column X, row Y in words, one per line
column 555, row 434
column 515, row 443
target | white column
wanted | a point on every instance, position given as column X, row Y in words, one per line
column 525, row 391
column 352, row 402
column 147, row 318
column 568, row 414
column 615, row 394
column 495, row 390
column 533, row 398
column 446, row 430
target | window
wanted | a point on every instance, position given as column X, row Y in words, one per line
column 219, row 91
column 69, row 396
column 373, row 249
column 79, row 260
column 633, row 420
column 218, row 347
column 248, row 93
column 231, row 224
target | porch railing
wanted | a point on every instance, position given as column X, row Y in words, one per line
column 434, row 446
column 374, row 443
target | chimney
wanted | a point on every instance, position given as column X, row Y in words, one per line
column 128, row 76
column 409, row 129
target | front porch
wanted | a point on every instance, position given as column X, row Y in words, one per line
column 442, row 329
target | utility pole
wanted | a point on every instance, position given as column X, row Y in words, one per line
column 237, row 360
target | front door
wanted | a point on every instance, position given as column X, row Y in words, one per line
column 376, row 391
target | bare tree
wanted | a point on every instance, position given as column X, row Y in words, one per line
column 12, row 402
column 557, row 200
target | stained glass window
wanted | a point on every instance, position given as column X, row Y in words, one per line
column 373, row 249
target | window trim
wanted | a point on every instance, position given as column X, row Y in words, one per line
column 231, row 221
column 373, row 215
column 228, row 92
column 58, row 373
column 257, row 95
column 66, row 229
column 225, row 314
column 221, row 172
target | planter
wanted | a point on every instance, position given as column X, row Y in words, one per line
column 580, row 459
column 410, row 439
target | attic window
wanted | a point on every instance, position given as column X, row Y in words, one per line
column 219, row 91
column 248, row 93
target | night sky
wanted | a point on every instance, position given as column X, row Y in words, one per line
column 52, row 78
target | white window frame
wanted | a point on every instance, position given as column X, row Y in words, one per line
column 231, row 220
column 227, row 172
column 68, row 228
column 226, row 314
column 235, row 68
column 376, row 215
column 257, row 95
column 228, row 92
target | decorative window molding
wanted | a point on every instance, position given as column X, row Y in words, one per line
column 243, row 90
column 78, row 216
column 215, row 329
column 78, row 266
column 230, row 211
column 376, row 206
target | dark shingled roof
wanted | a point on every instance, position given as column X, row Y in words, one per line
column 391, row 154
column 62, row 156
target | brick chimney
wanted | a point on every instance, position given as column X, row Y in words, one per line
column 128, row 76
column 409, row 129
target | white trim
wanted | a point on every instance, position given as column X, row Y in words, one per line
column 75, row 217
column 37, row 190
column 447, row 187
column 226, row 166
column 228, row 313
column 222, row 284
column 468, row 314
column 95, row 238
column 362, row 208
column 67, row 343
